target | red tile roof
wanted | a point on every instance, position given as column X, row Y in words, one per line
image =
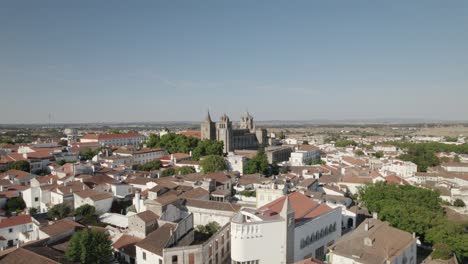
column 304, row 207
column 110, row 136
column 16, row 220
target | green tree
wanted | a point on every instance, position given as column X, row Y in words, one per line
column 379, row 154
column 186, row 170
column 33, row 211
column 113, row 131
column 150, row 166
column 88, row 214
column 459, row 203
column 63, row 143
column 208, row 147
column 452, row 235
column 153, row 141
column 15, row 204
column 61, row 162
column 359, row 152
column 88, row 154
column 441, row 251
column 85, row 210
column 456, row 158
column 168, row 172
column 21, row 165
column 213, row 163
column 175, row 143
column 258, row 164
column 59, row 211
column 89, row 246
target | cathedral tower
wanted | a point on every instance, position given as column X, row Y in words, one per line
column 224, row 132
column 208, row 128
column 247, row 122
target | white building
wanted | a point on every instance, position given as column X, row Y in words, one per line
column 16, row 229
column 385, row 148
column 404, row 169
column 455, row 167
column 100, row 200
column 236, row 162
column 121, row 139
column 304, row 154
column 372, row 242
column 286, row 230
column 141, row 156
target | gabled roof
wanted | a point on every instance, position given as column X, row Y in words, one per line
column 24, row 256
column 94, row 195
column 147, row 216
column 16, row 220
column 213, row 205
column 126, row 244
column 17, row 173
column 60, row 227
column 157, row 240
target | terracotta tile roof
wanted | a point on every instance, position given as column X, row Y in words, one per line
column 395, row 179
column 147, row 216
column 60, row 227
column 386, row 241
column 303, row 206
column 71, row 187
column 166, row 199
column 157, row 240
column 196, row 193
column 24, row 256
column 17, row 173
column 94, row 195
column 16, row 220
column 110, row 136
column 100, row 179
column 191, row 133
column 212, row 205
column 126, row 244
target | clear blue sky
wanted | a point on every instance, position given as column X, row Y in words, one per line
column 86, row 61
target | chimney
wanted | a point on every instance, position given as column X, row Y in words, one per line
column 414, row 235
column 375, row 215
column 84, row 188
column 366, row 227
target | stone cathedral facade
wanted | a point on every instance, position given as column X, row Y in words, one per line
column 246, row 136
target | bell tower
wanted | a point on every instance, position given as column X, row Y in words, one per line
column 247, row 122
column 208, row 128
column 224, row 132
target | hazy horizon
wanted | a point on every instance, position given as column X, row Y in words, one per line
column 120, row 61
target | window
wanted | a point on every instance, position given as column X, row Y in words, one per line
column 160, row 261
column 10, row 230
column 36, row 199
column 174, row 260
column 144, row 255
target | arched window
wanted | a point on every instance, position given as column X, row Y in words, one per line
column 317, row 235
column 334, row 227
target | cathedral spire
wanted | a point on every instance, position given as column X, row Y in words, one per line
column 208, row 116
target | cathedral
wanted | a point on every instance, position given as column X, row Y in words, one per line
column 244, row 137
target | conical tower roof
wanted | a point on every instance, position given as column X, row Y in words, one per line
column 208, row 116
